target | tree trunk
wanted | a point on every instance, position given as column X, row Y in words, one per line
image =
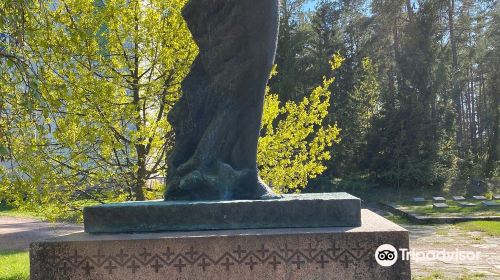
column 468, row 110
column 454, row 66
column 140, row 117
column 473, row 115
column 141, row 178
column 494, row 140
column 480, row 108
column 409, row 8
column 397, row 55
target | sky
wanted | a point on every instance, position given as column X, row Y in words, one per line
column 310, row 4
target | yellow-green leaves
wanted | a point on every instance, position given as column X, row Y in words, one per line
column 336, row 61
column 107, row 73
column 90, row 123
column 296, row 138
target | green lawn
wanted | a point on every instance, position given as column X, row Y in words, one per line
column 400, row 220
column 491, row 228
column 454, row 209
column 14, row 265
column 6, row 210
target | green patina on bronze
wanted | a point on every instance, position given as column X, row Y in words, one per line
column 290, row 211
column 217, row 120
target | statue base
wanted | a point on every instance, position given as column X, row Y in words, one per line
column 290, row 211
column 291, row 254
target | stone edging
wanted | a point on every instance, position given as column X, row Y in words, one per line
column 434, row 220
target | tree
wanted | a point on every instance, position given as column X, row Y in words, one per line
column 489, row 97
column 408, row 145
column 106, row 75
column 363, row 109
column 292, row 42
column 296, row 137
column 90, row 124
column 454, row 68
column 325, row 38
column 12, row 21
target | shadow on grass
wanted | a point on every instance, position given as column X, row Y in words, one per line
column 7, row 210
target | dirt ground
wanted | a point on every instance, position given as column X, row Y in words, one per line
column 17, row 233
column 485, row 265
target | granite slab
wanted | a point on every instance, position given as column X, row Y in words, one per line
column 440, row 205
column 490, row 203
column 346, row 253
column 466, row 204
column 290, row 211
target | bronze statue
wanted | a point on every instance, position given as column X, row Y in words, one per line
column 217, row 120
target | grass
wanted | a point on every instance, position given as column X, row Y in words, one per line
column 438, row 275
column 400, row 220
column 403, row 198
column 442, row 231
column 7, row 210
column 433, row 276
column 472, row 276
column 454, row 209
column 14, row 265
column 492, row 228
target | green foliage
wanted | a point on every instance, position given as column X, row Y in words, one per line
column 296, row 138
column 355, row 114
column 292, row 42
column 91, row 124
column 402, row 154
column 429, row 71
column 83, row 103
column 365, row 96
column 14, row 265
column 3, row 151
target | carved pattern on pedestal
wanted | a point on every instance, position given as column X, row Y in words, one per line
column 71, row 261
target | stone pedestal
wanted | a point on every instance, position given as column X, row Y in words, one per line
column 289, row 211
column 294, row 253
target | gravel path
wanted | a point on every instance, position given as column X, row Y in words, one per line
column 17, row 233
column 452, row 238
column 426, row 238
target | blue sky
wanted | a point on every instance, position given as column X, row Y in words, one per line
column 310, row 4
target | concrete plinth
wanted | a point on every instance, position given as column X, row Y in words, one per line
column 298, row 253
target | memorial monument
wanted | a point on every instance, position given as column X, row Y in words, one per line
column 217, row 120
column 218, row 219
